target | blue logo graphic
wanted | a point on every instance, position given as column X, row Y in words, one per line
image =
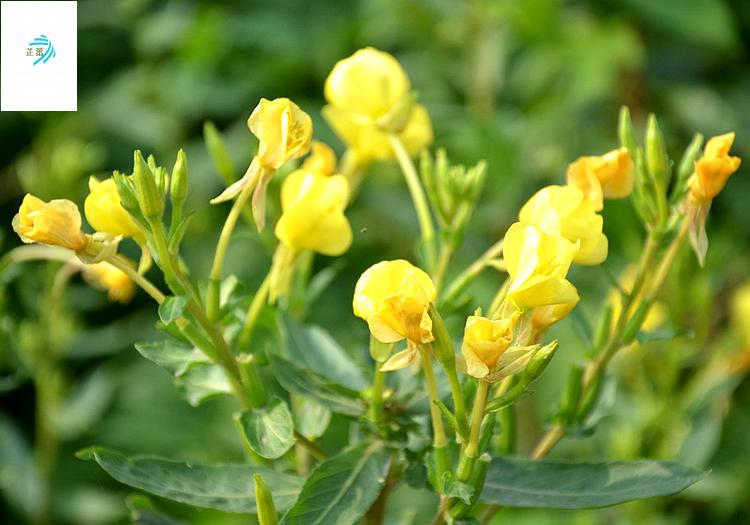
column 41, row 47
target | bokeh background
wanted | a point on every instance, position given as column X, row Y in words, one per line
column 528, row 85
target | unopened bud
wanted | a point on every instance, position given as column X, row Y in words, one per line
column 442, row 346
column 179, row 183
column 147, row 192
column 267, row 514
column 540, row 360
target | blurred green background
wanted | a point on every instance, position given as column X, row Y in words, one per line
column 528, row 85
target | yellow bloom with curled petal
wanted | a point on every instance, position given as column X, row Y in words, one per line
column 713, row 169
column 322, row 159
column 55, row 223
column 537, row 265
column 484, row 342
column 105, row 213
column 313, row 213
column 608, row 176
column 366, row 92
column 118, row 285
column 565, row 211
column 394, row 298
column 284, row 131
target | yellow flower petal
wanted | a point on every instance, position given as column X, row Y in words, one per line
column 54, row 223
column 105, row 213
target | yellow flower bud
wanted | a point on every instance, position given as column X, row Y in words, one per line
column 363, row 92
column 537, row 265
column 605, row 176
column 713, row 169
column 394, row 298
column 283, row 129
column 118, row 285
column 322, row 159
column 484, row 342
column 105, row 212
column 55, row 223
column 563, row 210
column 313, row 213
column 370, row 82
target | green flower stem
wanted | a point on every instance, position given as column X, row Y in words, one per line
column 497, row 301
column 180, row 285
column 353, row 169
column 121, row 264
column 214, row 283
column 253, row 311
column 471, row 450
column 596, row 368
column 439, row 441
column 465, row 278
column 446, row 254
column 459, row 405
column 375, row 411
column 418, row 197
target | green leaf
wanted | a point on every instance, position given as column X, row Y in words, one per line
column 227, row 488
column 307, row 383
column 172, row 308
column 200, row 382
column 517, row 482
column 457, row 489
column 314, row 347
column 176, row 236
column 269, row 431
column 171, row 355
column 341, row 489
column 311, row 418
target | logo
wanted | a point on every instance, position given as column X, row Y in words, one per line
column 41, row 48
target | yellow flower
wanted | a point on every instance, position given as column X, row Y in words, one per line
column 537, row 266
column 118, row 285
column 563, row 210
column 105, row 212
column 545, row 316
column 313, row 213
column 484, row 342
column 740, row 313
column 55, row 223
column 370, row 82
column 394, row 298
column 283, row 129
column 713, row 169
column 366, row 93
column 609, row 175
column 322, row 159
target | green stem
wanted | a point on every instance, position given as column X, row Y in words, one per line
column 459, row 405
column 418, row 197
column 214, row 283
column 459, row 284
column 439, row 440
column 375, row 412
column 121, row 264
column 471, row 451
column 446, row 253
column 253, row 311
